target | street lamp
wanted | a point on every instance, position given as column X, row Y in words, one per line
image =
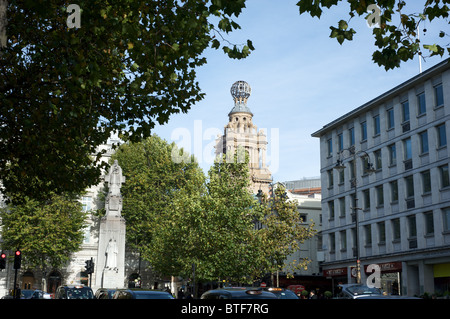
column 368, row 169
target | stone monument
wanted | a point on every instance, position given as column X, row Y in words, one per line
column 110, row 266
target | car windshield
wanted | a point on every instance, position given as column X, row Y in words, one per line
column 26, row 293
column 143, row 295
column 363, row 290
column 79, row 293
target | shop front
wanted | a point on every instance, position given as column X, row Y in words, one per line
column 390, row 276
column 442, row 279
column 338, row 276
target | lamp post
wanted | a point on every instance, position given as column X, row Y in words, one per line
column 368, row 169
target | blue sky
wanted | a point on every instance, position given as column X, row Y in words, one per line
column 300, row 78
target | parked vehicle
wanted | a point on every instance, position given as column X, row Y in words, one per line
column 238, row 293
column 139, row 293
column 74, row 292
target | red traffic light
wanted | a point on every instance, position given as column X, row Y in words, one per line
column 18, row 252
column 3, row 255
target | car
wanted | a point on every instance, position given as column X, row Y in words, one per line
column 31, row 294
column 140, row 293
column 238, row 293
column 281, row 293
column 105, row 293
column 74, row 292
column 359, row 291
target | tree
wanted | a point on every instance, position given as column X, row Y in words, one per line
column 154, row 182
column 46, row 232
column 396, row 41
column 283, row 231
column 64, row 90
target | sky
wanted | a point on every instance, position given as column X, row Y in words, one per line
column 300, row 78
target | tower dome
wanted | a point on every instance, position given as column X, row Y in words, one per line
column 240, row 91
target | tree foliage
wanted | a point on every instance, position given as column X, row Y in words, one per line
column 131, row 64
column 46, row 232
column 177, row 218
column 397, row 41
column 283, row 231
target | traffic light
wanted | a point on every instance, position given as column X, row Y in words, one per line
column 2, row 260
column 17, row 259
column 89, row 266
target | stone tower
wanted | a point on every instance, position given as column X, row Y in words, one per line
column 240, row 131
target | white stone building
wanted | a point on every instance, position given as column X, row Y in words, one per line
column 402, row 204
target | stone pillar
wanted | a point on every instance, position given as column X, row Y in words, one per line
column 110, row 263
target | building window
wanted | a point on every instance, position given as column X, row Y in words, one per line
column 405, row 111
column 332, row 243
column 422, row 108
column 442, row 135
column 381, row 233
column 443, row 170
column 351, row 135
column 446, row 218
column 394, row 191
column 341, row 142
column 423, row 137
column 396, row 229
column 412, row 228
column 429, row 223
column 426, row 182
column 390, row 119
column 376, row 125
column 343, row 235
column 341, row 176
column 409, row 182
column 407, row 149
column 86, row 202
column 342, row 207
column 331, row 209
column 439, row 95
column 366, row 196
column 330, row 147
column 392, row 155
column 368, row 234
column 351, row 164
column 378, row 159
column 363, row 131
column 380, row 195
column 330, row 178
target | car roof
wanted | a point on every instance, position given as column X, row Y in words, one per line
column 242, row 292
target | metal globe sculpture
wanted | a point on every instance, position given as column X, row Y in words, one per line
column 240, row 91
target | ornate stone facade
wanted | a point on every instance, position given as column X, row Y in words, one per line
column 240, row 131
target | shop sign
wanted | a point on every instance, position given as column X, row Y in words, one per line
column 386, row 267
column 335, row 272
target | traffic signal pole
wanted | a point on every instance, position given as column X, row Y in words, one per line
column 17, row 264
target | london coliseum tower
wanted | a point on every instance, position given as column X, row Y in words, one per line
column 240, row 131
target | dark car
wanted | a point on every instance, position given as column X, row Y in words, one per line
column 282, row 293
column 74, row 292
column 31, row 294
column 238, row 293
column 105, row 293
column 138, row 293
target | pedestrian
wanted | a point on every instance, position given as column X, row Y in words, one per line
column 312, row 295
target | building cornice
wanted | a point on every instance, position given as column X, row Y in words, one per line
column 425, row 75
